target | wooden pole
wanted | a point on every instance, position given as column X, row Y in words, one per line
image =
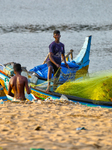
column 70, row 53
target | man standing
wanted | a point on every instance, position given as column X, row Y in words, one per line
column 17, row 84
column 56, row 51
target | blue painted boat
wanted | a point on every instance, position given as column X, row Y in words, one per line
column 78, row 66
column 38, row 86
column 82, row 60
column 41, row 94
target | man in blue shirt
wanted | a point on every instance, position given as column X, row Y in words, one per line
column 56, row 51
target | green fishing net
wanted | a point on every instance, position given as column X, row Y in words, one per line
column 96, row 86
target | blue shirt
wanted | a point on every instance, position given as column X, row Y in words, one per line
column 57, row 49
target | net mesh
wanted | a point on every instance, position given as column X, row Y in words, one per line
column 70, row 74
column 96, row 86
column 67, row 75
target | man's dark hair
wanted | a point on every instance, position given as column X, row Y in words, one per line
column 56, row 32
column 17, row 67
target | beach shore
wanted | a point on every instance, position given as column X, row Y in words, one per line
column 53, row 125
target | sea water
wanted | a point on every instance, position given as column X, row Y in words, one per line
column 26, row 29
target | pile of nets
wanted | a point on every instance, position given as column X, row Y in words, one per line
column 97, row 86
column 65, row 74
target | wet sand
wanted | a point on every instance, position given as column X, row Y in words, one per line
column 52, row 125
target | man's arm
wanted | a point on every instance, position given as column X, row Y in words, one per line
column 28, row 90
column 9, row 90
column 64, row 59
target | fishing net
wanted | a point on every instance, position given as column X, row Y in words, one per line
column 63, row 75
column 96, row 86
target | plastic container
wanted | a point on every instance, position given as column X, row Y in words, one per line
column 82, row 128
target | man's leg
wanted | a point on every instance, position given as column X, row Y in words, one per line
column 49, row 77
column 56, row 78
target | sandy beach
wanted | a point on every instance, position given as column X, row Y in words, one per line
column 53, row 125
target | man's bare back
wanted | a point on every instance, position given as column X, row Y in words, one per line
column 18, row 84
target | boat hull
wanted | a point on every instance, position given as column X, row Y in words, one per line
column 43, row 95
column 53, row 95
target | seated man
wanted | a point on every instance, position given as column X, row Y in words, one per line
column 18, row 83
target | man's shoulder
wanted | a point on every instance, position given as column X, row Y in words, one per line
column 61, row 43
column 18, row 77
column 53, row 43
column 12, row 78
column 23, row 77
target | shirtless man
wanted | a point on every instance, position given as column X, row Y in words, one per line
column 17, row 84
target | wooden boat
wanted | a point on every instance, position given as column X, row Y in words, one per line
column 78, row 66
column 41, row 94
column 53, row 95
column 39, row 91
column 2, row 94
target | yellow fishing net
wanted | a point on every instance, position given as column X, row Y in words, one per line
column 97, row 86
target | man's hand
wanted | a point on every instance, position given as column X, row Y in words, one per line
column 67, row 65
column 58, row 66
column 63, row 58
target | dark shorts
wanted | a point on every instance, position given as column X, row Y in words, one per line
column 55, row 69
